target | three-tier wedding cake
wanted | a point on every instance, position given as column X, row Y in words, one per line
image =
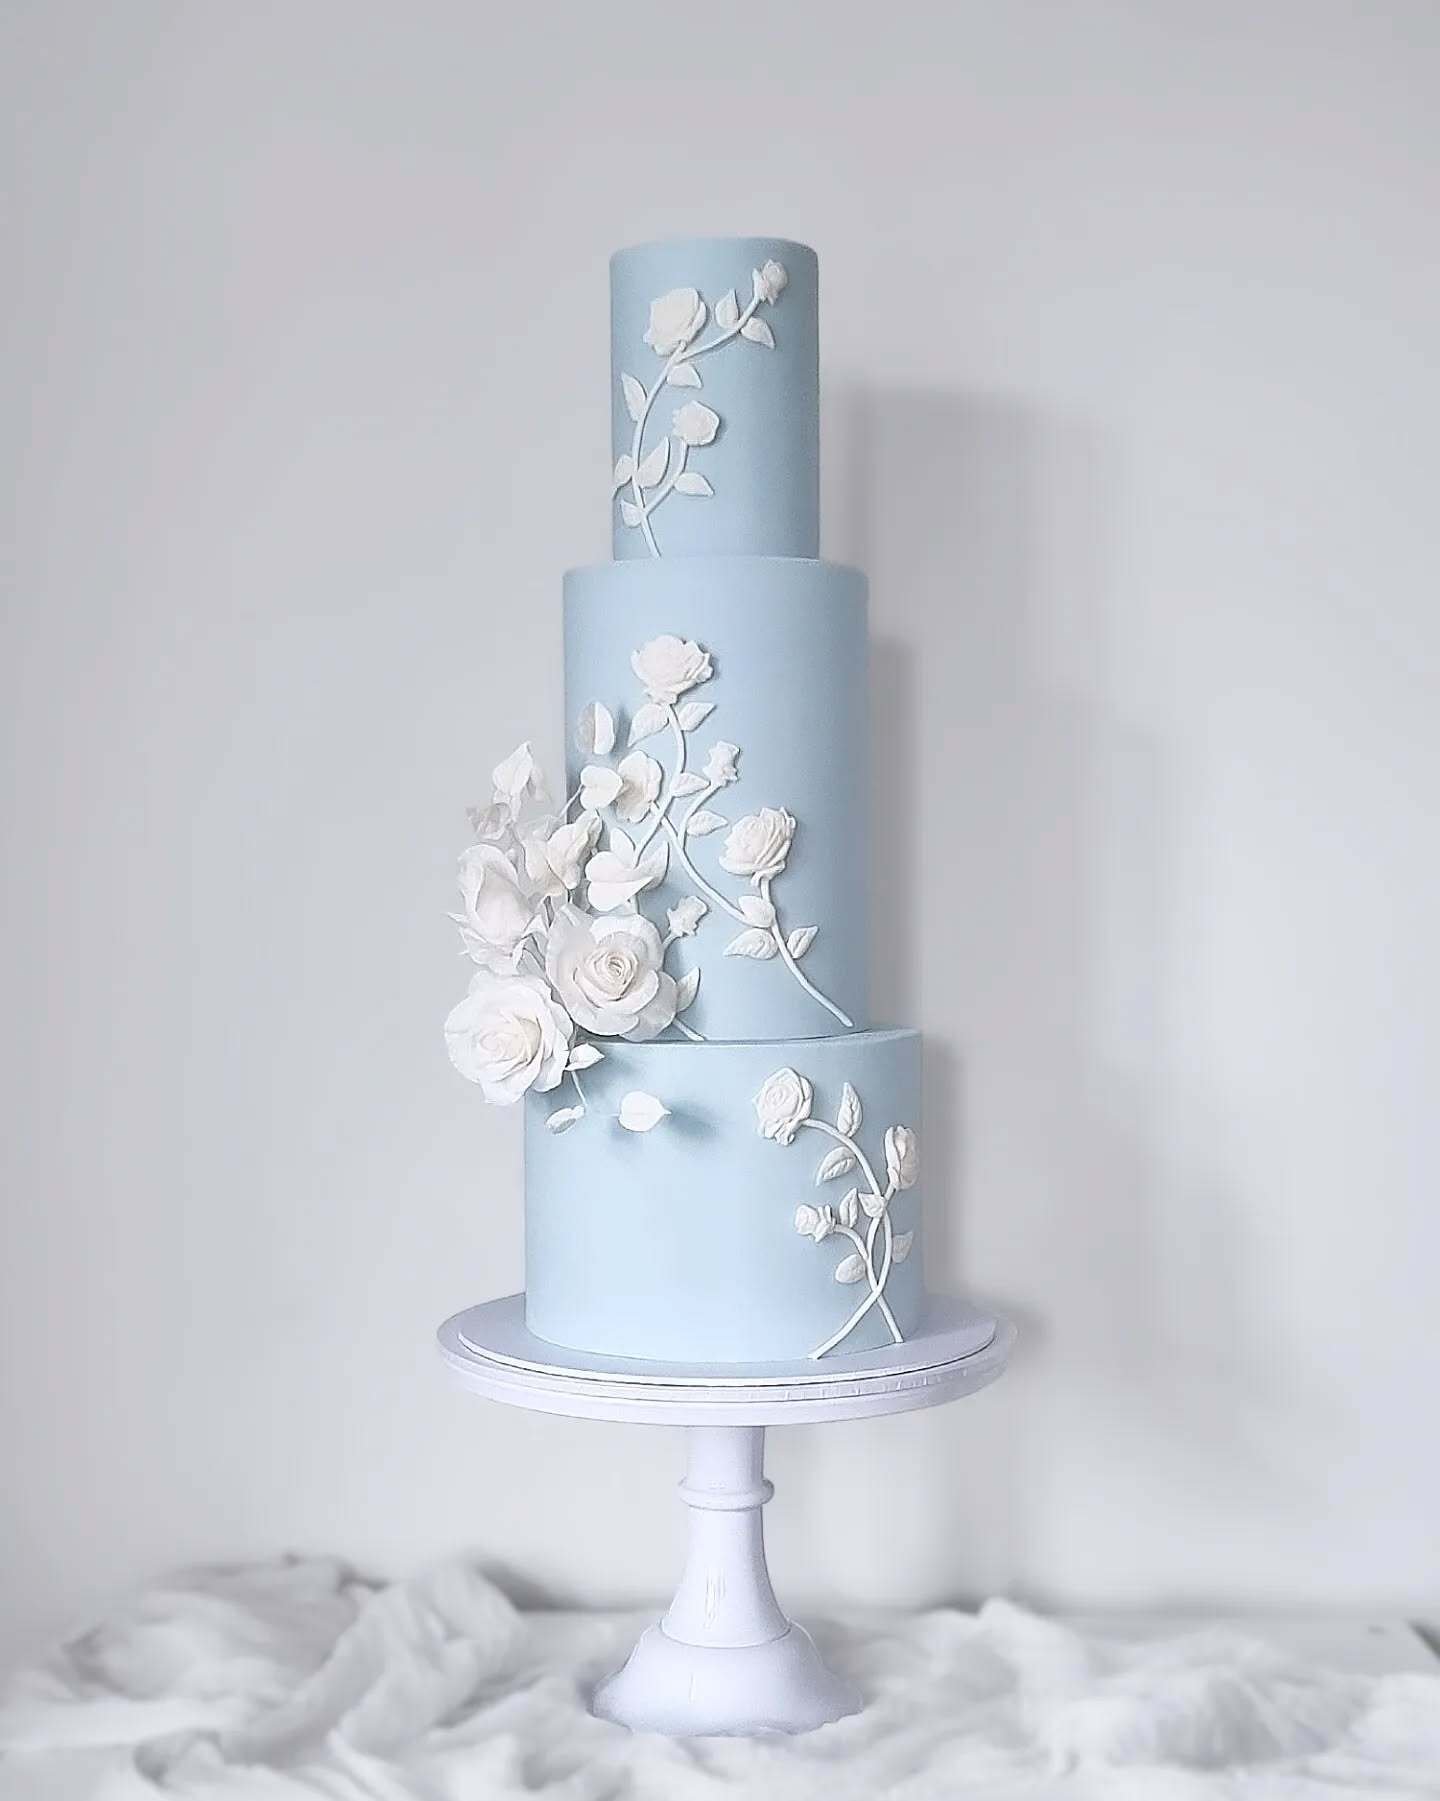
column 721, row 1151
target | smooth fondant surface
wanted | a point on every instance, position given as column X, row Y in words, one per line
column 680, row 1243
column 763, row 464
column 787, row 639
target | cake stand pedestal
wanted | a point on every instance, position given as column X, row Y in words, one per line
column 724, row 1659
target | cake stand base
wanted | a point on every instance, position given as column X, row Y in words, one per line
column 725, row 1660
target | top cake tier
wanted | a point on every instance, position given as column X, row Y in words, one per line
column 715, row 381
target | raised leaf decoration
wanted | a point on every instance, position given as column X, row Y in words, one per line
column 701, row 824
column 836, row 1162
column 727, row 310
column 595, row 732
column 757, row 910
column 685, row 989
column 648, row 720
column 691, row 483
column 624, row 469
column 684, row 375
column 689, row 781
column 634, row 397
column 641, row 1112
column 873, row 1204
column 758, row 332
column 585, row 1056
column 655, row 863
column 619, row 841
column 752, row 943
column 652, row 470
column 847, row 1120
column 563, row 1118
column 629, row 512
column 800, row 941
column 695, row 712
column 851, row 1268
column 849, row 1209
column 901, row 1248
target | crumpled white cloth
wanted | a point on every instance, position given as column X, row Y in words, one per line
column 301, row 1681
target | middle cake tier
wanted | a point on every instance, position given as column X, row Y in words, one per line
column 722, row 737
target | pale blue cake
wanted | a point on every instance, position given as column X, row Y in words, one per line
column 742, row 1186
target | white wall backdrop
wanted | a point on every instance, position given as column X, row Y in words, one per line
column 1132, row 403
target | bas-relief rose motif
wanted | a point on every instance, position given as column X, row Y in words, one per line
column 758, row 845
column 784, row 1107
column 646, row 475
column 669, row 667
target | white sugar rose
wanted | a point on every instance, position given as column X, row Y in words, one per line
column 771, row 281
column 607, row 974
column 669, row 667
column 674, row 320
column 758, row 844
column 902, row 1156
column 508, row 1035
column 782, row 1104
column 720, row 764
column 497, row 913
column 639, row 786
column 555, row 860
column 695, row 424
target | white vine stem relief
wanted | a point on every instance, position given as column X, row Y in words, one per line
column 652, row 473
column 784, row 1107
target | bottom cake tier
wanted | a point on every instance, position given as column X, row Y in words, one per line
column 771, row 1212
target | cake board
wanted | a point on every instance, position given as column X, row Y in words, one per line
column 724, row 1659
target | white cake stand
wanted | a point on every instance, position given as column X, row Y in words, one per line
column 724, row 1659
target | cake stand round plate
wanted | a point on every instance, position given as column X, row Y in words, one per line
column 724, row 1659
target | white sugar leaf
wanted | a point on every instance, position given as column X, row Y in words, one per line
column 757, row 910
column 689, row 781
column 624, row 469
column 622, row 842
column 727, row 310
column 648, row 720
column 873, row 1205
column 701, row 824
column 641, row 1112
column 652, row 470
column 595, row 732
column 563, row 1118
column 691, row 483
column 654, row 864
column 634, row 397
column 585, row 1056
column 851, row 1268
column 684, row 375
column 695, row 712
column 758, row 332
column 629, row 512
column 752, row 943
column 901, row 1248
column 685, row 989
column 849, row 1209
column 837, row 1161
column 847, row 1120
column 800, row 941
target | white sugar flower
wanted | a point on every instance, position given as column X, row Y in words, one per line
column 518, row 779
column 758, row 844
column 617, row 874
column 685, row 916
column 509, row 1035
column 695, row 424
column 674, row 320
column 720, row 764
column 782, row 1104
column 902, row 1156
column 492, row 824
column 639, row 786
column 555, row 861
column 771, row 281
column 497, row 914
column 598, row 786
column 595, row 731
column 669, row 666
column 608, row 974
